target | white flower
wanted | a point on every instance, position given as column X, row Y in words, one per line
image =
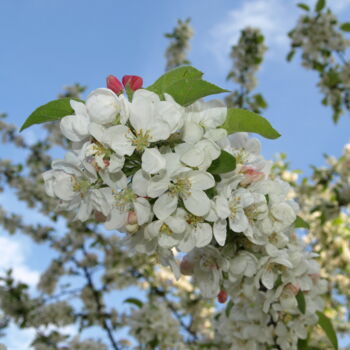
column 199, row 155
column 74, row 187
column 76, row 127
column 198, row 123
column 244, row 264
column 233, row 209
column 208, row 265
column 105, row 107
column 179, row 182
column 198, row 232
column 128, row 209
column 169, row 231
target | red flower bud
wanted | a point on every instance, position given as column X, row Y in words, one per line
column 222, row 296
column 186, row 267
column 114, row 84
column 135, row 82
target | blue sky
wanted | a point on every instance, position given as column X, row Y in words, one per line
column 47, row 44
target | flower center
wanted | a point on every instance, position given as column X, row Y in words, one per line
column 166, row 229
column 234, row 206
column 98, row 149
column 181, row 185
column 124, row 198
column 240, row 156
column 141, row 140
column 194, row 220
column 81, row 186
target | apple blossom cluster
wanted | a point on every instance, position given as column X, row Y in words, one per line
column 320, row 38
column 146, row 167
column 247, row 56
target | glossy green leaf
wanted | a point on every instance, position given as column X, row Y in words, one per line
column 239, row 120
column 187, row 91
column 327, row 327
column 301, row 301
column 303, row 6
column 134, row 301
column 224, row 164
column 345, row 27
column 185, row 85
column 320, row 5
column 51, row 111
column 301, row 223
column 173, row 76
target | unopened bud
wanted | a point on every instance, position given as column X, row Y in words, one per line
column 132, row 219
column 222, row 296
column 132, row 228
column 186, row 267
column 251, row 175
column 133, row 81
column 114, row 84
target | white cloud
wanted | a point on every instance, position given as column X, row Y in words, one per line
column 14, row 254
column 271, row 16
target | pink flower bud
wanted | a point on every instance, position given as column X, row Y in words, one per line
column 186, row 267
column 132, row 219
column 251, row 175
column 293, row 288
column 114, row 84
column 132, row 228
column 135, row 82
column 222, row 296
column 315, row 277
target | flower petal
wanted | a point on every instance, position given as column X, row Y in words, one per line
column 197, row 203
column 203, row 234
column 220, row 231
column 165, row 205
column 152, row 161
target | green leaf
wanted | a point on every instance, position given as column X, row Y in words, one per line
column 301, row 223
column 320, row 5
column 238, row 120
column 185, row 85
column 303, row 6
column 290, row 55
column 173, row 76
column 301, row 301
column 259, row 99
column 134, row 301
column 327, row 327
column 302, row 344
column 186, row 91
column 49, row 112
column 225, row 163
column 345, row 27
column 228, row 308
